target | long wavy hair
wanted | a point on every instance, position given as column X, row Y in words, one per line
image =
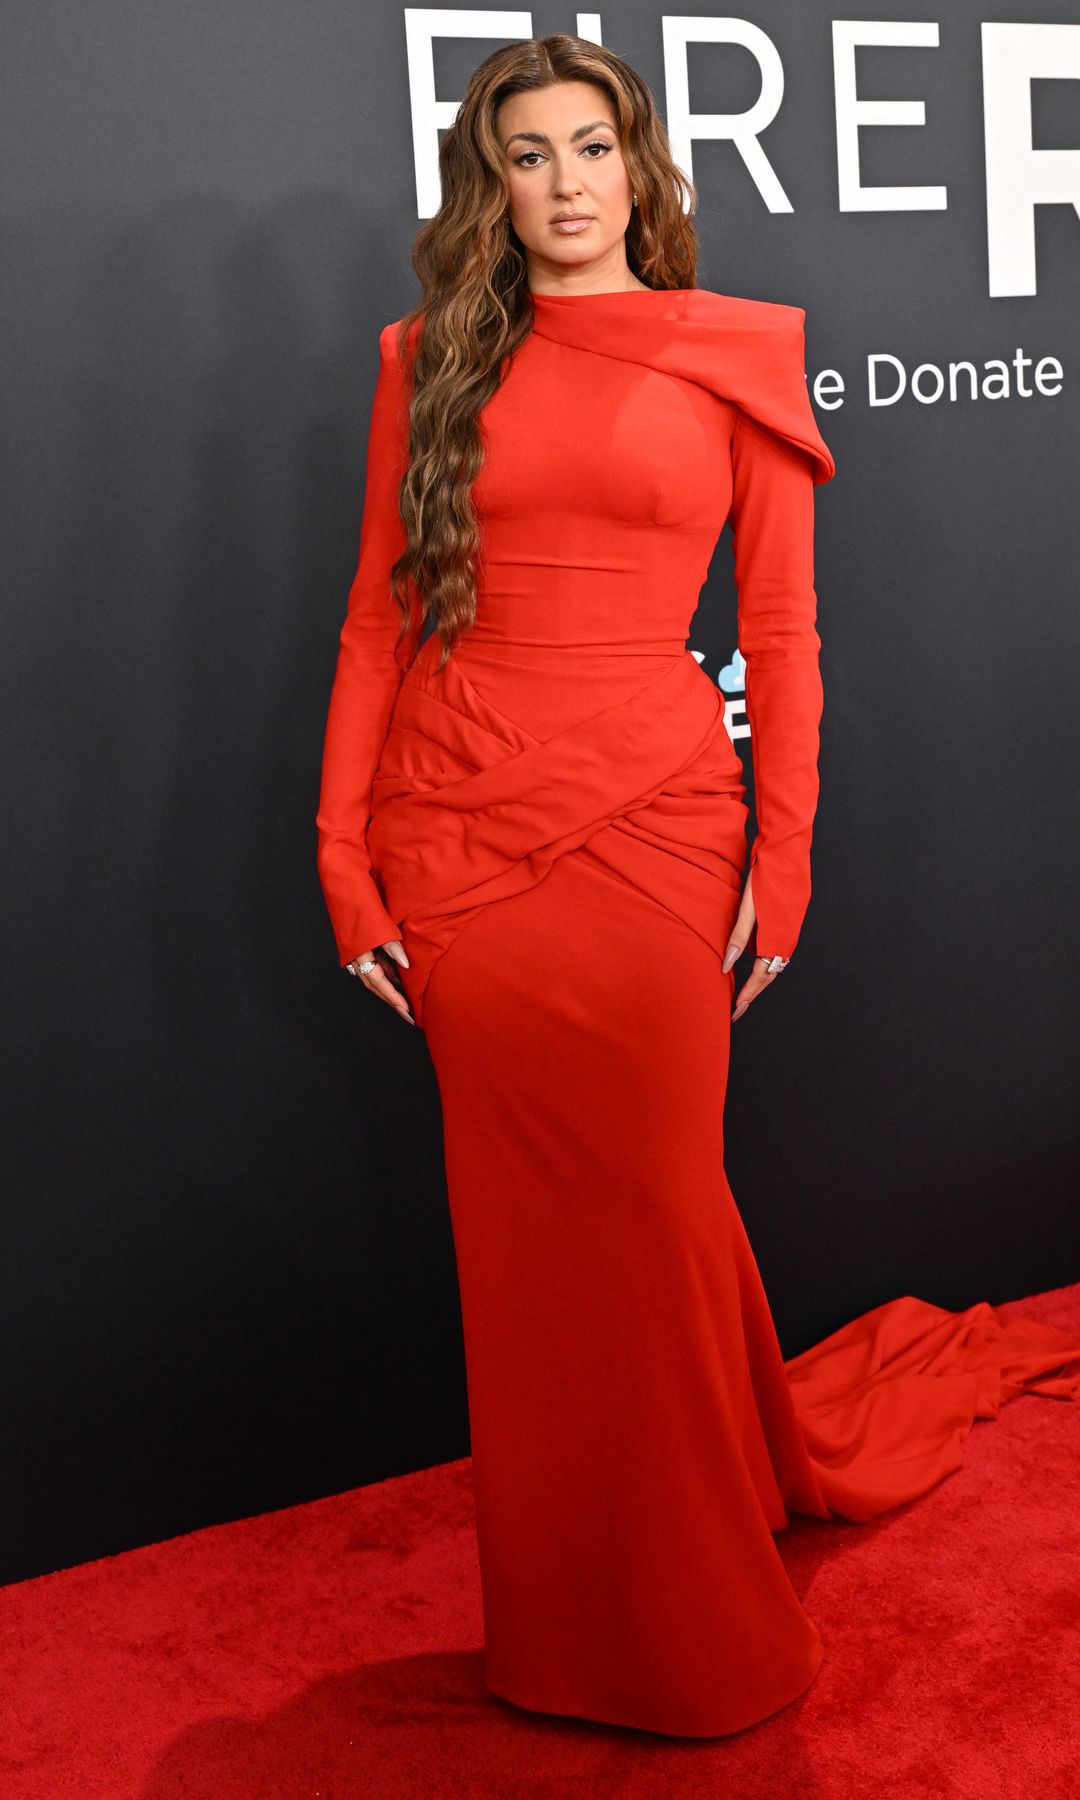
column 475, row 310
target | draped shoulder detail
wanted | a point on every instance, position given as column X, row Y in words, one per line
column 750, row 352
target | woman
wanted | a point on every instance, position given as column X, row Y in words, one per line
column 532, row 842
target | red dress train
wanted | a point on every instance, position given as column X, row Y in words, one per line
column 554, row 825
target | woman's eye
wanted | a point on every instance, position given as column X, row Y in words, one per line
column 597, row 144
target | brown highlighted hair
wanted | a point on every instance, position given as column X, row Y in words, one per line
column 474, row 311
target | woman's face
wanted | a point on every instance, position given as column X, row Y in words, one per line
column 562, row 155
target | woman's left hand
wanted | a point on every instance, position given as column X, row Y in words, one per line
column 759, row 977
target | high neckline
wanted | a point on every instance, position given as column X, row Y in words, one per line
column 614, row 294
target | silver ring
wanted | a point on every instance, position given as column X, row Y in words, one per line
column 364, row 968
column 774, row 964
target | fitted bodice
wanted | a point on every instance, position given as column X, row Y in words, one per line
column 604, row 489
column 606, row 482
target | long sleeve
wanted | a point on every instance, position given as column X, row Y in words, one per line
column 772, row 519
column 370, row 670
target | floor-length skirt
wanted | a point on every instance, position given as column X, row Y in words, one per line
column 637, row 1439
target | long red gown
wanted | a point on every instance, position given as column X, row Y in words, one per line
column 554, row 825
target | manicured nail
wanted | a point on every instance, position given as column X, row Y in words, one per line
column 732, row 957
column 739, row 1010
column 399, row 955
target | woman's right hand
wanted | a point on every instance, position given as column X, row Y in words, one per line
column 382, row 980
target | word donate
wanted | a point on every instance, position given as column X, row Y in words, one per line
column 887, row 379
column 998, row 378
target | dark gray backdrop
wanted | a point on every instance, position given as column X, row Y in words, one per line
column 228, row 1271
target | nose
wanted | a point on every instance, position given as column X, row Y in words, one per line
column 567, row 183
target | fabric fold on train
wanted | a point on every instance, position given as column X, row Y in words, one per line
column 886, row 1402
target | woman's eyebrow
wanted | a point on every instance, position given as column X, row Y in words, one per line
column 538, row 137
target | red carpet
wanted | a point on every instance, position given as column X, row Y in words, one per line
column 331, row 1652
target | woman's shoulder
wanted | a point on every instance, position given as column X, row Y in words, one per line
column 741, row 309
column 753, row 352
column 390, row 339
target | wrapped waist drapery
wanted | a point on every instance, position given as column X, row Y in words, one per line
column 469, row 808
